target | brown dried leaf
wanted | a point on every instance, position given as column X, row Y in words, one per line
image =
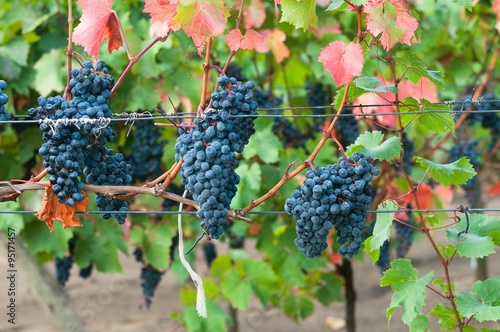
column 52, row 210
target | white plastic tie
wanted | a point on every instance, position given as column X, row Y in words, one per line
column 201, row 304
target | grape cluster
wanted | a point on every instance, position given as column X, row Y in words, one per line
column 87, row 271
column 466, row 149
column 4, row 115
column 210, row 253
column 316, row 96
column 150, row 277
column 209, row 151
column 62, row 148
column 147, row 151
column 408, row 150
column 488, row 119
column 64, row 264
column 336, row 195
column 384, row 259
column 404, row 234
column 74, row 135
column 282, row 128
column 63, row 267
column 347, row 126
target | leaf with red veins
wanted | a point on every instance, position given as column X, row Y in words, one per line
column 392, row 19
column 344, row 62
column 97, row 24
column 250, row 41
column 162, row 13
column 274, row 42
column 201, row 19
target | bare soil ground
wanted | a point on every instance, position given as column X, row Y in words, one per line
column 112, row 303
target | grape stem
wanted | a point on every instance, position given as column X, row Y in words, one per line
column 133, row 60
column 69, row 49
column 290, row 175
column 114, row 192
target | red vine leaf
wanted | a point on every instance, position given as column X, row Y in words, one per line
column 162, row 12
column 276, row 11
column 334, row 258
column 97, row 24
column 274, row 42
column 52, row 210
column 254, row 13
column 495, row 8
column 250, row 41
column 425, row 88
column 495, row 190
column 392, row 19
column 201, row 19
column 342, row 61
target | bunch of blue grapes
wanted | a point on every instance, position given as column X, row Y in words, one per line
column 336, row 195
column 63, row 267
column 487, row 102
column 404, row 235
column 64, row 264
column 209, row 151
column 104, row 167
column 87, row 271
column 317, row 97
column 210, row 253
column 150, row 277
column 282, row 127
column 466, row 149
column 4, row 115
column 74, row 133
column 147, row 151
column 347, row 126
column 63, row 147
column 408, row 150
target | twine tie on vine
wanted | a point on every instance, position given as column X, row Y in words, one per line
column 201, row 305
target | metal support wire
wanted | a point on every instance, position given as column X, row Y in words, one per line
column 145, row 116
column 470, row 210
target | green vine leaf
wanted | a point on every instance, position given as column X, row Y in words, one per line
column 373, row 84
column 481, row 302
column 370, row 144
column 381, row 230
column 236, row 288
column 456, row 173
column 435, row 122
column 300, row 14
column 466, row 3
column 409, row 290
column 447, row 319
column 337, row 5
column 416, row 69
column 420, row 323
column 263, row 144
column 471, row 245
column 477, row 243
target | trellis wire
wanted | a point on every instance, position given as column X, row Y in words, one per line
column 449, row 210
column 138, row 116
